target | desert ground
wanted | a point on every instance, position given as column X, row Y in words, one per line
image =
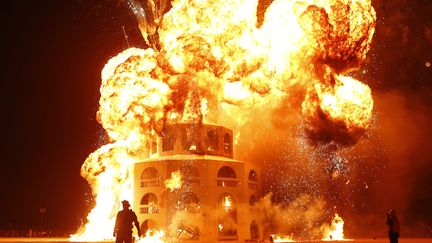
column 62, row 240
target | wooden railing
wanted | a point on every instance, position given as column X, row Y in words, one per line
column 149, row 209
column 150, row 183
column 227, row 182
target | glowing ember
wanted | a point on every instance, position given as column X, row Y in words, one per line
column 215, row 65
column 335, row 230
column 174, row 182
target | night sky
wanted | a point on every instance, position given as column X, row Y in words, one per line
column 53, row 53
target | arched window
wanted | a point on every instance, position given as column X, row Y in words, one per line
column 227, row 143
column 148, row 225
column 149, row 173
column 228, row 175
column 190, row 175
column 150, row 177
column 149, row 199
column 211, row 140
column 149, row 204
column 253, row 176
column 226, row 172
column 189, row 171
column 252, row 200
column 227, row 218
column 188, row 201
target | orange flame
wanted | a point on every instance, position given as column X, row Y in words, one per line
column 335, row 230
column 174, row 182
column 155, row 236
column 216, row 65
column 227, row 203
column 283, row 238
column 348, row 104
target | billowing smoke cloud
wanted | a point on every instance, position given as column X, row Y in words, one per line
column 302, row 217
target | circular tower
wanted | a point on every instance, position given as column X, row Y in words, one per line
column 217, row 193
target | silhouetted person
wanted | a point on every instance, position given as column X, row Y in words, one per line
column 393, row 226
column 123, row 225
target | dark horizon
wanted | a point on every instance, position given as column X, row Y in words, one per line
column 55, row 51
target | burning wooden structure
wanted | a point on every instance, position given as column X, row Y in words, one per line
column 215, row 196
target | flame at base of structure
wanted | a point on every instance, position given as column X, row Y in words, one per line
column 283, row 238
column 335, row 230
column 153, row 236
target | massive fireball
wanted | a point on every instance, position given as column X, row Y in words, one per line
column 340, row 112
column 213, row 63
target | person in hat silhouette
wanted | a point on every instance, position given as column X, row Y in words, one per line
column 123, row 224
column 393, row 226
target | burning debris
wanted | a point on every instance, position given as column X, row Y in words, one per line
column 210, row 63
column 149, row 16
